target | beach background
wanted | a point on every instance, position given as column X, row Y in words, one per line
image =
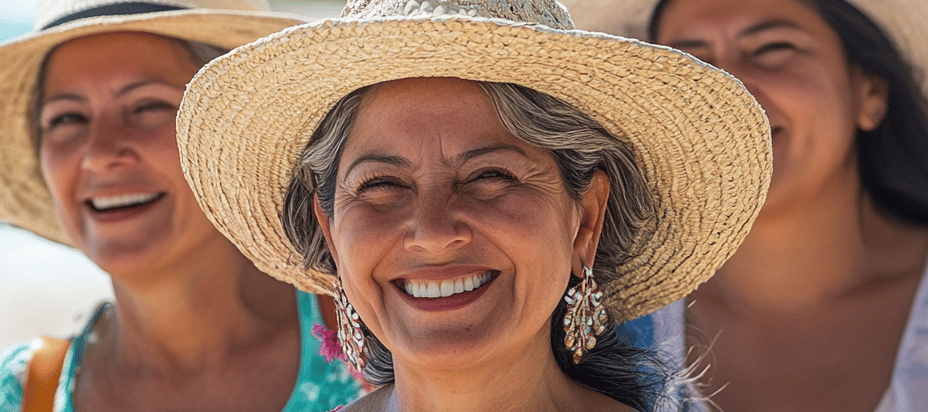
column 46, row 288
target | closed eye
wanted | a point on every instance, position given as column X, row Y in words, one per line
column 153, row 105
column 65, row 119
column 772, row 47
column 490, row 174
column 772, row 55
column 379, row 182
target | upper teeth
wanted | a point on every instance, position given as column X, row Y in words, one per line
column 445, row 288
column 109, row 202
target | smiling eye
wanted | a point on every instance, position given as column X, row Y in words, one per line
column 492, row 174
column 65, row 119
column 772, row 55
column 152, row 114
column 379, row 182
column 153, row 106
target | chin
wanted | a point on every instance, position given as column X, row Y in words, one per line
column 449, row 350
column 123, row 258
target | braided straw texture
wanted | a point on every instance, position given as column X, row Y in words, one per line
column 902, row 20
column 701, row 139
column 24, row 198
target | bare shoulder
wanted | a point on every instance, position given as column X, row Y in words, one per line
column 375, row 401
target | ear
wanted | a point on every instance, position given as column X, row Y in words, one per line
column 324, row 223
column 592, row 214
column 873, row 97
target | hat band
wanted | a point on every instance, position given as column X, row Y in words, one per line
column 117, row 9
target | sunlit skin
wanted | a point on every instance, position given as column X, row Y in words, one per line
column 431, row 186
column 794, row 65
column 108, row 130
column 195, row 325
column 792, row 313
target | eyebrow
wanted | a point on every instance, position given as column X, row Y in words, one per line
column 757, row 28
column 460, row 159
column 119, row 92
column 767, row 25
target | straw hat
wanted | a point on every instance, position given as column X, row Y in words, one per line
column 701, row 140
column 24, row 198
column 902, row 20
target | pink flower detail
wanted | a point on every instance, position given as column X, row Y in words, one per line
column 330, row 348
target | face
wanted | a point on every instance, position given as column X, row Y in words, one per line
column 454, row 239
column 109, row 155
column 794, row 64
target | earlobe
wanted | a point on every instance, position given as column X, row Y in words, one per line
column 592, row 215
column 873, row 92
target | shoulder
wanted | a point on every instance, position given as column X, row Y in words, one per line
column 14, row 364
column 375, row 401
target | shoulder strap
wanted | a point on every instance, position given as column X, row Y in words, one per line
column 44, row 371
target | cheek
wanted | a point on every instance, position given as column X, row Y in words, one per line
column 58, row 167
column 361, row 238
column 536, row 232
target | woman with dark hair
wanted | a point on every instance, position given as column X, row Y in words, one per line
column 824, row 306
column 487, row 192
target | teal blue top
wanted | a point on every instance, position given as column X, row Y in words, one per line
column 320, row 386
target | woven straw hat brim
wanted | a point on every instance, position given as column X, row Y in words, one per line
column 24, row 198
column 902, row 20
column 701, row 139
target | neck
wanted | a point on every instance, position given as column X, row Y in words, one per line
column 530, row 380
column 813, row 255
column 194, row 314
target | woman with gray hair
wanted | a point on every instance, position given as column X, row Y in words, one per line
column 485, row 198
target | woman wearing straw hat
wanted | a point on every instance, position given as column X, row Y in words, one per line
column 90, row 159
column 825, row 305
column 486, row 191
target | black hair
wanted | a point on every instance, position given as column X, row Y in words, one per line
column 893, row 158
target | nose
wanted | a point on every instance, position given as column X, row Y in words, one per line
column 108, row 146
column 436, row 226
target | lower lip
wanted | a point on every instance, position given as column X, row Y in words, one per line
column 455, row 301
column 120, row 215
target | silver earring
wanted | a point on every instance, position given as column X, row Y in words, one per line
column 350, row 335
column 586, row 316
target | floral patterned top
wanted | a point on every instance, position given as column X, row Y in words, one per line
column 321, row 385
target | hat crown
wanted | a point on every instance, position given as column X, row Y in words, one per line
column 547, row 12
column 50, row 11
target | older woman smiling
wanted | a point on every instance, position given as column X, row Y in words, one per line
column 485, row 196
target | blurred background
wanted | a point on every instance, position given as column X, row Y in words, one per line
column 47, row 288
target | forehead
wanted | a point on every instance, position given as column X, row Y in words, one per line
column 112, row 56
column 442, row 113
column 734, row 15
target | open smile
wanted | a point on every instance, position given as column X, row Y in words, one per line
column 102, row 204
column 448, row 294
column 442, row 289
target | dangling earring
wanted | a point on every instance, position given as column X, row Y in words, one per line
column 350, row 335
column 586, row 316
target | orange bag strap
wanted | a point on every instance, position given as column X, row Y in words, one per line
column 44, row 371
